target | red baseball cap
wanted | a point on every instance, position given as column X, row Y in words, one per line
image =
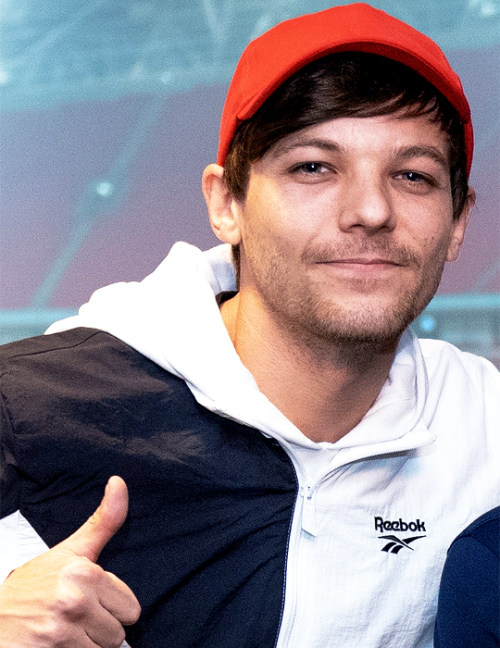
column 273, row 57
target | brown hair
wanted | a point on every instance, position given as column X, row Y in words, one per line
column 340, row 85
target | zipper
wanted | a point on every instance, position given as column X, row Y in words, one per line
column 307, row 523
column 308, row 491
column 290, row 592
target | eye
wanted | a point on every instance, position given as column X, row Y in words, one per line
column 413, row 176
column 310, row 169
column 416, row 181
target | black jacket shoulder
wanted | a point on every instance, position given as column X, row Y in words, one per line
column 211, row 500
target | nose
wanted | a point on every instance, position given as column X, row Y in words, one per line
column 367, row 204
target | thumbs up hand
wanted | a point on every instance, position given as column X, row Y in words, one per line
column 62, row 599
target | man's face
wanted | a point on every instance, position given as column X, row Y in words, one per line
column 347, row 225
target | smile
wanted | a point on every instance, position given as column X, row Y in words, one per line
column 362, row 262
column 361, row 265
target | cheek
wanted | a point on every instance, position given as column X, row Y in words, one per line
column 269, row 221
column 435, row 247
column 429, row 230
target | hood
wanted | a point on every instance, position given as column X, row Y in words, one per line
column 172, row 318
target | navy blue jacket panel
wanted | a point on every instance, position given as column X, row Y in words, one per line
column 204, row 546
column 469, row 596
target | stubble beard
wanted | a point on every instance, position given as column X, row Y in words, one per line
column 329, row 329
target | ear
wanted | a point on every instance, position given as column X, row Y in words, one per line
column 223, row 209
column 460, row 225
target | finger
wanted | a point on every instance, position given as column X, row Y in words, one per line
column 91, row 538
column 104, row 630
column 119, row 600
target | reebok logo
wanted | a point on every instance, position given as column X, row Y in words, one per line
column 398, row 525
column 395, row 544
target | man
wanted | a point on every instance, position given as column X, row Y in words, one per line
column 297, row 463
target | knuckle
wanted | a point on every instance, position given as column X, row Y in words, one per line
column 70, row 603
column 52, row 632
column 119, row 638
column 73, row 605
column 80, row 570
column 114, row 638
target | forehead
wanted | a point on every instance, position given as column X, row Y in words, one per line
column 383, row 134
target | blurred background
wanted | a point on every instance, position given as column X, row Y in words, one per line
column 109, row 111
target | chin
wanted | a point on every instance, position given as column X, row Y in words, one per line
column 367, row 326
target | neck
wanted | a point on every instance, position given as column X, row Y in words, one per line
column 325, row 389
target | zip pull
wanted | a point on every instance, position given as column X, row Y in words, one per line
column 308, row 518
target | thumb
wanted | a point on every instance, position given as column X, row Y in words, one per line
column 91, row 538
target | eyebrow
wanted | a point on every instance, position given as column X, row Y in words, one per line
column 325, row 145
column 431, row 152
column 405, row 153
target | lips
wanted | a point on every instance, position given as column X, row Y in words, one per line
column 381, row 255
column 361, row 268
column 363, row 261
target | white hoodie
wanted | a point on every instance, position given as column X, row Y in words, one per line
column 377, row 509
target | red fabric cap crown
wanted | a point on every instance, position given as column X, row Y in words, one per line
column 273, row 57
